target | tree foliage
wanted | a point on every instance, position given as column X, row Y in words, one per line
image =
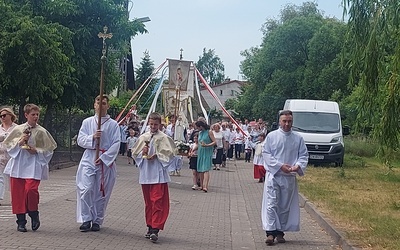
column 50, row 52
column 35, row 57
column 215, row 115
column 211, row 67
column 373, row 36
column 144, row 71
column 300, row 57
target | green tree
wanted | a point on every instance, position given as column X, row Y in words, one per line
column 245, row 101
column 211, row 67
column 215, row 115
column 230, row 103
column 324, row 72
column 86, row 19
column 144, row 71
column 35, row 59
column 373, row 32
column 276, row 67
column 50, row 53
column 300, row 57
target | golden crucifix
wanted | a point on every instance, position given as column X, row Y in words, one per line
column 103, row 36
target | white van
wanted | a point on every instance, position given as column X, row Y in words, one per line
column 319, row 123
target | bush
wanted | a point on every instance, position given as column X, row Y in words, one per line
column 361, row 146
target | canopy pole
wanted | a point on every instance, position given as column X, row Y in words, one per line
column 140, row 88
column 218, row 101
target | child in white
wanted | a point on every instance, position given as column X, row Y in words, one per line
column 130, row 144
column 248, row 148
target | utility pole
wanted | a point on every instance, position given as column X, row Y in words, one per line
column 127, row 62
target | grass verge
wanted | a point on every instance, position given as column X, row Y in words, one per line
column 361, row 199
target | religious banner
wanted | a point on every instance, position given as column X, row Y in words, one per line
column 178, row 73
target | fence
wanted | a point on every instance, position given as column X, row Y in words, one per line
column 64, row 127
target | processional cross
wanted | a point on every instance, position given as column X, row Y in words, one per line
column 103, row 36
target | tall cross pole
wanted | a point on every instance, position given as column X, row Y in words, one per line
column 178, row 92
column 103, row 36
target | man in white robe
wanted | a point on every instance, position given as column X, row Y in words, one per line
column 285, row 155
column 95, row 178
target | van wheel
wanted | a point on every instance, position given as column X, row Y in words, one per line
column 339, row 164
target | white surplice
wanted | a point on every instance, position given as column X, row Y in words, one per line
column 153, row 171
column 280, row 205
column 156, row 170
column 91, row 204
column 4, row 157
column 258, row 157
column 23, row 164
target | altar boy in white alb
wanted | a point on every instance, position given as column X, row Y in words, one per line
column 30, row 147
column 285, row 156
column 154, row 153
column 95, row 178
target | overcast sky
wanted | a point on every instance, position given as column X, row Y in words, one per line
column 226, row 26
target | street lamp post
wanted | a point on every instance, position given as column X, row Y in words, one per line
column 143, row 19
column 124, row 63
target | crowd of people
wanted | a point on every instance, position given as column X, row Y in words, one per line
column 278, row 156
column 231, row 142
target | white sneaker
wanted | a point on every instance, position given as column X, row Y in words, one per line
column 195, row 187
column 172, row 173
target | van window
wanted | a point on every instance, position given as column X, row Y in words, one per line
column 315, row 122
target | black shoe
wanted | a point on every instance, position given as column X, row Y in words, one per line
column 85, row 226
column 280, row 238
column 21, row 221
column 153, row 237
column 147, row 235
column 154, row 234
column 270, row 240
column 95, row 227
column 35, row 224
column 34, row 220
column 21, row 228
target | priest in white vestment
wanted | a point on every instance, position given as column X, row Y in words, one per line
column 285, row 155
column 95, row 178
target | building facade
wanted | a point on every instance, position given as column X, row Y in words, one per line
column 224, row 91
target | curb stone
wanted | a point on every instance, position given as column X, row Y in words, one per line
column 336, row 235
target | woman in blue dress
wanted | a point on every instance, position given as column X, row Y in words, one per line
column 204, row 153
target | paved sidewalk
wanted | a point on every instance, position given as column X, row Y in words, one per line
column 227, row 217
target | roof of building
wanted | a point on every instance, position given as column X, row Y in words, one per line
column 241, row 83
